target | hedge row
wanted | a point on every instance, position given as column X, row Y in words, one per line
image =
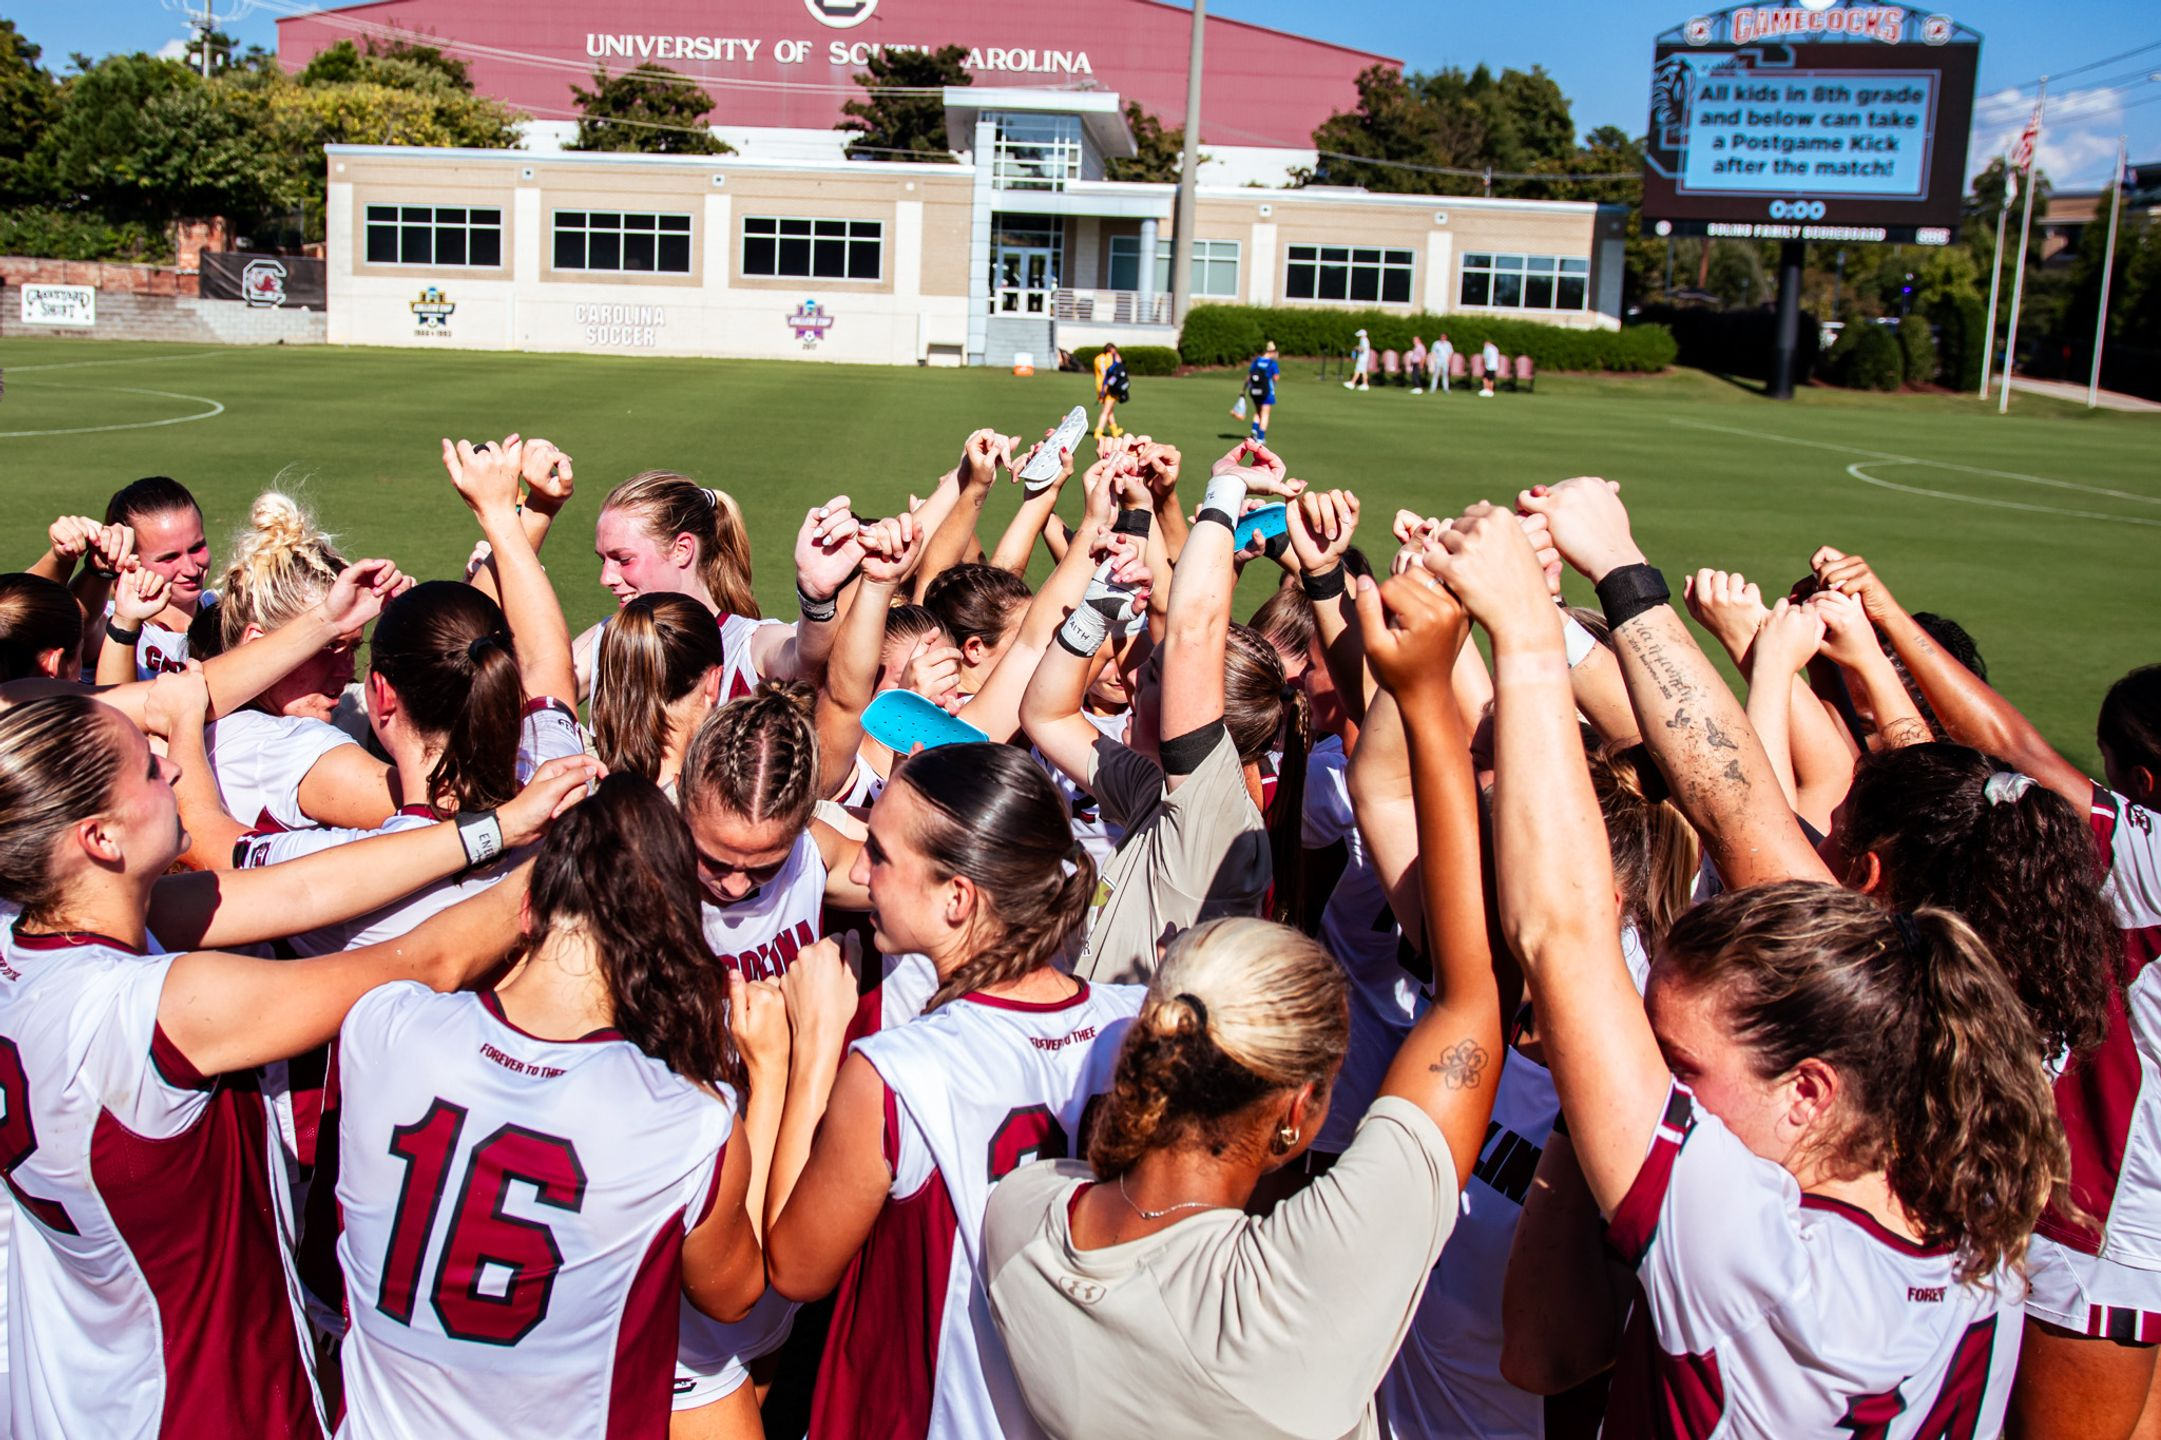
column 1233, row 334
column 1140, row 359
column 1735, row 342
column 1866, row 357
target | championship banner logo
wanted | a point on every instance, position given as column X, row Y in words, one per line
column 432, row 312
column 810, row 322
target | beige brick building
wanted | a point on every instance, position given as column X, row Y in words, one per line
column 1021, row 246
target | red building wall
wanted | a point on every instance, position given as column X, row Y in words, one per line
column 782, row 63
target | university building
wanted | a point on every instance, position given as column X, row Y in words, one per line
column 787, row 249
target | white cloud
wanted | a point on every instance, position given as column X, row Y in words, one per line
column 2078, row 133
column 174, row 49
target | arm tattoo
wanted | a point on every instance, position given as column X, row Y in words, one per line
column 1912, row 730
column 1461, row 1065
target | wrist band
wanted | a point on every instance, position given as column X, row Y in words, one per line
column 817, row 610
column 1084, row 631
column 481, row 834
column 1579, row 640
column 119, row 636
column 1132, row 522
column 1222, row 500
column 1630, row 590
column 1220, row 517
column 1325, row 586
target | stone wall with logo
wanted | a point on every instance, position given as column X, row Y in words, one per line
column 140, row 302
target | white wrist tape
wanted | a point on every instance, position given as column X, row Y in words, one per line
column 1580, row 641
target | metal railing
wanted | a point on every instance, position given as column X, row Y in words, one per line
column 1111, row 307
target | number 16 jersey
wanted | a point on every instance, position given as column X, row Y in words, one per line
column 514, row 1211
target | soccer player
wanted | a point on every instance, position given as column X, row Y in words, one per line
column 1443, row 358
column 656, row 676
column 167, row 526
column 530, row 1176
column 2094, row 1317
column 1111, row 387
column 1824, row 1148
column 661, row 533
column 1492, row 357
column 147, row 1294
column 971, row 861
column 1261, row 377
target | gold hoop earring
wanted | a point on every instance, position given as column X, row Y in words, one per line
column 1287, row 1138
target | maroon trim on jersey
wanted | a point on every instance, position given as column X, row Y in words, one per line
column 878, row 1375
column 419, row 811
column 70, row 940
column 265, row 824
column 494, row 1006
column 639, row 1387
column 1635, row 1219
column 868, row 1020
column 305, row 1078
column 323, row 1219
column 2125, row 1327
column 712, row 1191
column 889, row 1132
column 541, row 704
column 1033, row 1007
column 1654, row 1394
column 740, row 684
column 195, row 1214
column 1875, row 1229
column 173, row 1067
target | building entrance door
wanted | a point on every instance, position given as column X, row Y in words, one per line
column 1022, row 279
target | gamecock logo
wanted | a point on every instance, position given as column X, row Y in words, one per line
column 262, row 283
column 840, row 14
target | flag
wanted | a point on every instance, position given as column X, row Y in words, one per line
column 2022, row 153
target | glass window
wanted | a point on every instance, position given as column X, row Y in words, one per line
column 1214, row 266
column 1336, row 272
column 786, row 248
column 1035, row 152
column 1525, row 282
column 612, row 240
column 436, row 235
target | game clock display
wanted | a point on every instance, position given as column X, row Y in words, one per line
column 1810, row 123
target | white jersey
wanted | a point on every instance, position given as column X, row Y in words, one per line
column 761, row 934
column 514, row 1215
column 865, row 785
column 148, row 1292
column 159, row 651
column 1100, row 837
column 1388, row 978
column 548, row 732
column 739, row 671
column 260, row 760
column 1764, row 1311
column 1446, row 1380
column 973, row 1090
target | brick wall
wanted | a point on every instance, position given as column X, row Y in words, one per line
column 143, row 303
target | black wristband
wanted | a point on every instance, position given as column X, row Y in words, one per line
column 1325, row 586
column 1132, row 522
column 817, row 610
column 1218, row 516
column 1630, row 590
column 1183, row 754
column 119, row 636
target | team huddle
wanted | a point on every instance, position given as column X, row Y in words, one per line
column 1314, row 1025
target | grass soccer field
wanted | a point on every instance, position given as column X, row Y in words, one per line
column 2038, row 532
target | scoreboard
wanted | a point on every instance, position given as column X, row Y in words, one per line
column 1814, row 121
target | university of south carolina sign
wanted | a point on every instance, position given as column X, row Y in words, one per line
column 746, row 49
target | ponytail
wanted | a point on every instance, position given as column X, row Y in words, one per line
column 620, row 868
column 1940, row 1072
column 1261, row 710
column 444, row 649
column 2013, row 858
column 673, row 505
column 1286, row 811
column 1656, row 852
column 1239, row 1009
column 37, row 617
column 654, row 651
column 991, row 814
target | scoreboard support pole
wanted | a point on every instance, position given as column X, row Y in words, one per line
column 1791, row 254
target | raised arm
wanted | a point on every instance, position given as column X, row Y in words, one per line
column 1322, row 525
column 1050, row 703
column 487, row 480
column 959, row 498
column 1551, row 865
column 1968, row 709
column 174, row 712
column 1788, row 639
column 343, row 881
column 1690, row 721
column 1850, row 642
column 1381, row 798
column 68, row 540
column 826, row 557
column 1018, row 542
column 1450, row 1063
column 138, row 596
column 1563, row 1302
column 890, row 550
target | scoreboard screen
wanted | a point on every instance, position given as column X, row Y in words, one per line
column 1799, row 123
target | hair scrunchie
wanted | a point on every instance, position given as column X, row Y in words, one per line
column 2006, row 787
column 481, row 644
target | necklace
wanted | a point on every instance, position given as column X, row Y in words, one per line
column 1166, row 1210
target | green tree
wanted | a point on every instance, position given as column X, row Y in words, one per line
column 650, row 109
column 1159, row 153
column 29, row 97
column 1407, row 129
column 401, row 64
column 903, row 116
column 143, row 139
column 216, row 43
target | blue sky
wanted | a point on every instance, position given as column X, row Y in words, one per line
column 1600, row 53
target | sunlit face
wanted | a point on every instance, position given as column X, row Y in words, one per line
column 736, row 856
column 141, row 808
column 909, row 902
column 172, row 543
column 1700, row 1050
column 313, row 687
column 633, row 562
column 1107, row 692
